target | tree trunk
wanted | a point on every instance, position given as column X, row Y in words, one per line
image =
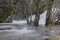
column 39, row 10
column 49, row 20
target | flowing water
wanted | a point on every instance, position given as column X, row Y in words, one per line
column 21, row 31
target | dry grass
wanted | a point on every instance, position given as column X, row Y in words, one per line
column 53, row 29
column 54, row 38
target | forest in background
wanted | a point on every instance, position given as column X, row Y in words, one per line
column 23, row 9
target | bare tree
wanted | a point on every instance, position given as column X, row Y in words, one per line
column 27, row 8
column 49, row 20
column 39, row 8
